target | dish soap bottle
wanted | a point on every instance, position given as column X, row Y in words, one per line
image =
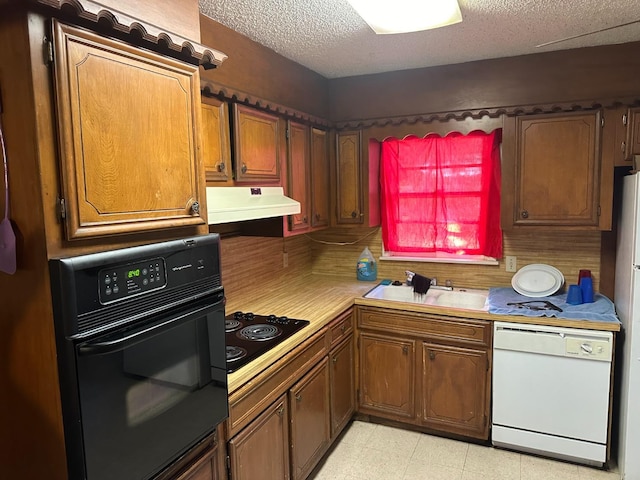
column 367, row 268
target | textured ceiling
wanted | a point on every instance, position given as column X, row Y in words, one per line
column 328, row 37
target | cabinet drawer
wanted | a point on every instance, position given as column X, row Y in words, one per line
column 250, row 400
column 460, row 330
column 341, row 327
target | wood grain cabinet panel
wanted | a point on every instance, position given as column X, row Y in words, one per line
column 349, row 191
column 320, row 179
column 387, row 376
column 299, row 174
column 256, row 145
column 342, row 385
column 129, row 126
column 216, row 147
column 310, row 420
column 454, row 389
column 633, row 132
column 262, row 449
column 552, row 171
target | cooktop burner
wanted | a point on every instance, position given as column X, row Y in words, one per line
column 249, row 335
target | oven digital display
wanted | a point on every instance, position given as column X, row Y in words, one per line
column 123, row 281
column 133, row 273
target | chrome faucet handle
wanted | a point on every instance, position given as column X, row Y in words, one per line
column 409, row 275
column 434, row 281
column 448, row 283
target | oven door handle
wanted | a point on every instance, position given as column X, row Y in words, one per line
column 112, row 346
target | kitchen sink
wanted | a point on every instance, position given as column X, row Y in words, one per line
column 465, row 298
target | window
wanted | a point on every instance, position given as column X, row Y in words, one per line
column 441, row 195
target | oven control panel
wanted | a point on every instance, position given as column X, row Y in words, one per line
column 133, row 279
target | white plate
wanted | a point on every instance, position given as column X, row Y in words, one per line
column 537, row 280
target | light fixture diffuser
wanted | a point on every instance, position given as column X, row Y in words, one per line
column 403, row 16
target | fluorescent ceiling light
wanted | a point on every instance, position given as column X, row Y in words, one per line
column 402, row 16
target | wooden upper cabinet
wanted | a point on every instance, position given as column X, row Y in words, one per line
column 129, row 125
column 216, row 148
column 552, row 172
column 320, row 178
column 349, row 191
column 298, row 173
column 256, row 145
column 633, row 136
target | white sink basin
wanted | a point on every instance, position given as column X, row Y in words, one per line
column 465, row 298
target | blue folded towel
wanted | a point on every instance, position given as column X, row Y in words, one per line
column 601, row 310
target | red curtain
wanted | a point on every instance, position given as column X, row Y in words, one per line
column 442, row 194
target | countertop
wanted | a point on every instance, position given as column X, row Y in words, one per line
column 321, row 298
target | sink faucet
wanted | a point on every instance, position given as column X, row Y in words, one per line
column 434, row 282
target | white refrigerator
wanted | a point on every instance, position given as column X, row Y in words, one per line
column 627, row 301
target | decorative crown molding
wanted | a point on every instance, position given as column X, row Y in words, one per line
column 165, row 42
column 212, row 89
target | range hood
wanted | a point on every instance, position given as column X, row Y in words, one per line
column 237, row 204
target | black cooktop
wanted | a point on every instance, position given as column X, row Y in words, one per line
column 248, row 336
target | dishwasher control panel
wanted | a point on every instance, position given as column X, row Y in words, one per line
column 588, row 348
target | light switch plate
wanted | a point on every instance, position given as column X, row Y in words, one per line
column 510, row 263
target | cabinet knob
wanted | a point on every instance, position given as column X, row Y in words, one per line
column 334, row 359
column 244, row 168
column 317, row 216
column 405, row 350
column 195, row 208
column 432, row 355
column 343, row 328
column 221, row 167
column 524, row 214
column 354, row 214
column 299, row 397
column 304, row 219
column 280, row 411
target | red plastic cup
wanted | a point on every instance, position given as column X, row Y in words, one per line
column 583, row 274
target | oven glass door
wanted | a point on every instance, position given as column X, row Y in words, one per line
column 150, row 393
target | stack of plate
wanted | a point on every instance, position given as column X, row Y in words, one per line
column 537, row 280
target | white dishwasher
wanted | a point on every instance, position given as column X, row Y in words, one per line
column 551, row 391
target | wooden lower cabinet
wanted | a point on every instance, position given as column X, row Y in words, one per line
column 425, row 370
column 387, row 376
column 454, row 388
column 261, row 450
column 342, row 385
column 204, row 469
column 310, row 420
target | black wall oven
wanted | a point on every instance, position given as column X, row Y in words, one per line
column 141, row 354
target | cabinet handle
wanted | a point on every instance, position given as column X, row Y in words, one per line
column 221, row 167
column 317, row 216
column 280, row 411
column 343, row 328
column 405, row 350
column 354, row 214
column 244, row 168
column 299, row 397
column 335, row 359
column 623, row 146
column 524, row 214
column 195, row 208
column 432, row 355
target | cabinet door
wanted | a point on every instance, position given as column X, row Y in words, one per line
column 349, row 192
column 261, row 450
column 256, row 145
column 216, row 149
column 387, row 376
column 633, row 138
column 204, row 469
column 320, row 184
column 129, row 127
column 298, row 174
column 310, row 420
column 455, row 390
column 342, row 385
column 552, row 170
